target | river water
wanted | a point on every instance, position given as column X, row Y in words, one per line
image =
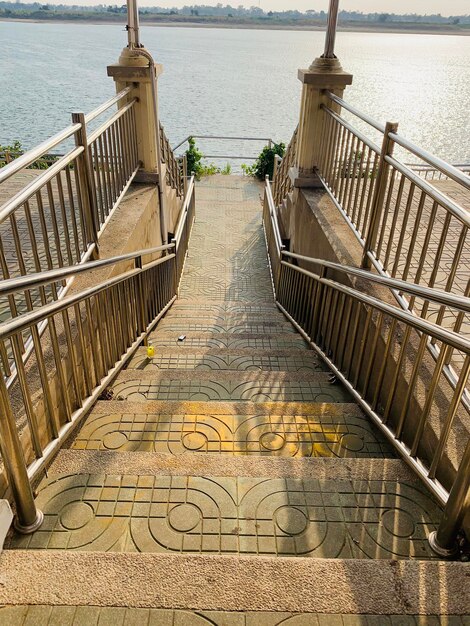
column 236, row 82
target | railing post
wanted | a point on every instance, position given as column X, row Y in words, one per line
column 380, row 190
column 443, row 541
column 277, row 162
column 139, row 295
column 175, row 265
column 86, row 181
column 28, row 517
column 185, row 174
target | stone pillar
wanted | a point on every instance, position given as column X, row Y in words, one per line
column 323, row 75
column 135, row 70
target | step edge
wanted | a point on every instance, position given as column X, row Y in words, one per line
column 178, row 407
column 233, row 583
column 71, row 461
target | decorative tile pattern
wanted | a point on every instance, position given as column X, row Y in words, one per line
column 261, row 435
column 119, row 616
column 234, row 342
column 195, row 325
column 207, row 390
column 292, row 517
column 184, row 360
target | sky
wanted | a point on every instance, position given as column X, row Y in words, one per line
column 445, row 7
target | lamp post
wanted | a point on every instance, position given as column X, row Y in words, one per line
column 325, row 74
column 331, row 30
column 133, row 35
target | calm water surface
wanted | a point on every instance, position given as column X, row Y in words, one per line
column 236, row 82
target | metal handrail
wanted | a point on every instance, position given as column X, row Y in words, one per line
column 463, row 215
column 449, row 170
column 435, row 295
column 184, row 209
column 39, row 182
column 274, row 218
column 22, row 322
column 31, row 281
column 282, row 183
column 434, row 161
column 109, row 322
column 328, row 313
column 107, row 105
column 119, row 113
column 362, row 116
column 408, row 227
column 424, row 326
column 368, row 142
column 28, row 158
column 223, row 138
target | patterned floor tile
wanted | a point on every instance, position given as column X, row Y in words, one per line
column 119, row 616
column 173, row 388
column 234, row 327
column 291, row 517
column 224, row 360
column 343, row 436
column 224, row 340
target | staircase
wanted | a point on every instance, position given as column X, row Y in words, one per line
column 229, row 479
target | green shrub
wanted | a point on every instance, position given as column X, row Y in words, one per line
column 264, row 165
column 15, row 150
column 195, row 164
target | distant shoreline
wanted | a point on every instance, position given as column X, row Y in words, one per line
column 349, row 27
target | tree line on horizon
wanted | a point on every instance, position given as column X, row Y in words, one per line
column 19, row 9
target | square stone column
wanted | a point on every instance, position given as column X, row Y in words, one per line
column 135, row 71
column 324, row 75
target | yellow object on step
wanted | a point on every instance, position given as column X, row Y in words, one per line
column 150, row 352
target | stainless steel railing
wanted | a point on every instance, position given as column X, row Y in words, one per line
column 234, row 140
column 88, row 338
column 55, row 220
column 282, row 183
column 175, row 168
column 378, row 351
column 411, row 226
column 429, row 172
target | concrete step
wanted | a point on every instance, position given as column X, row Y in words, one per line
column 232, row 341
column 116, row 462
column 227, row 385
column 332, row 430
column 330, row 589
column 225, row 359
column 281, row 517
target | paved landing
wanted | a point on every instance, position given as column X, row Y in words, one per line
column 278, row 517
column 117, row 616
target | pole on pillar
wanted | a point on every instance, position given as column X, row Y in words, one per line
column 331, row 30
column 133, row 35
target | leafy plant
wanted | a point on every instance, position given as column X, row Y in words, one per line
column 195, row 164
column 193, row 156
column 8, row 153
column 264, row 165
column 15, row 150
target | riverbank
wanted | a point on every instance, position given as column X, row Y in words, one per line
column 397, row 28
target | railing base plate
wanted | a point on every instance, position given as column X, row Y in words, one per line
column 446, row 553
column 27, row 530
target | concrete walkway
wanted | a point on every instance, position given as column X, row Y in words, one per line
column 200, row 493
